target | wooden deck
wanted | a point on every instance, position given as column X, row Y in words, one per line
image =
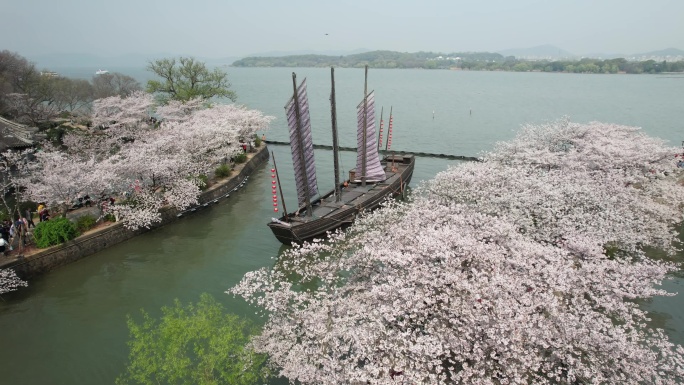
column 329, row 215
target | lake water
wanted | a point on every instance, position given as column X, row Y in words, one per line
column 69, row 326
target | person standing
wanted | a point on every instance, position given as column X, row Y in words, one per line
column 29, row 218
column 3, row 246
column 40, row 209
column 19, row 231
column 4, row 230
column 24, row 231
column 12, row 234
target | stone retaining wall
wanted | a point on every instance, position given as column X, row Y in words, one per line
column 85, row 245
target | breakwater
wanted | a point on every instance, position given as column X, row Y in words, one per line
column 87, row 244
column 420, row 154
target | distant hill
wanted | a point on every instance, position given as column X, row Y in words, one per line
column 662, row 52
column 308, row 52
column 668, row 54
column 551, row 52
column 547, row 51
column 374, row 59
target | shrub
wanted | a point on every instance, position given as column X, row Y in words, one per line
column 204, row 182
column 240, row 158
column 222, row 171
column 56, row 134
column 54, row 232
column 85, row 223
column 110, row 218
column 257, row 141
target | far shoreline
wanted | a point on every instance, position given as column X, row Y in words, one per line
column 677, row 74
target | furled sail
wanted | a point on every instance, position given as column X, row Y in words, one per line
column 301, row 145
column 374, row 171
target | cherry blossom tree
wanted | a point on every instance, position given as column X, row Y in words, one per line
column 58, row 178
column 508, row 282
column 176, row 110
column 163, row 166
column 457, row 296
column 9, row 281
column 147, row 163
column 117, row 111
column 588, row 186
column 150, row 177
column 122, row 119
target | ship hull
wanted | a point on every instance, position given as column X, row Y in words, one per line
column 329, row 215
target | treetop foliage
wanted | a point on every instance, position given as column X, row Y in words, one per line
column 186, row 79
column 195, row 344
column 520, row 269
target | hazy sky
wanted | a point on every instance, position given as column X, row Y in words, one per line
column 226, row 28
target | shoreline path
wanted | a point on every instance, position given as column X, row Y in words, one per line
column 18, row 257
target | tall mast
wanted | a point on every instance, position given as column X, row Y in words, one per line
column 389, row 129
column 336, row 149
column 307, row 198
column 382, row 110
column 365, row 126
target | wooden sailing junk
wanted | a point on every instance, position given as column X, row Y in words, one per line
column 368, row 185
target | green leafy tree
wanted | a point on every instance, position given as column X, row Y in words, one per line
column 187, row 78
column 193, row 344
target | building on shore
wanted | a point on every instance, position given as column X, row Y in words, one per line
column 15, row 136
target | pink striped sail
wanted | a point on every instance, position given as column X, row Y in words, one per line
column 374, row 171
column 304, row 169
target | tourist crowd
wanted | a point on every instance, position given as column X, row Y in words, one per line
column 18, row 233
